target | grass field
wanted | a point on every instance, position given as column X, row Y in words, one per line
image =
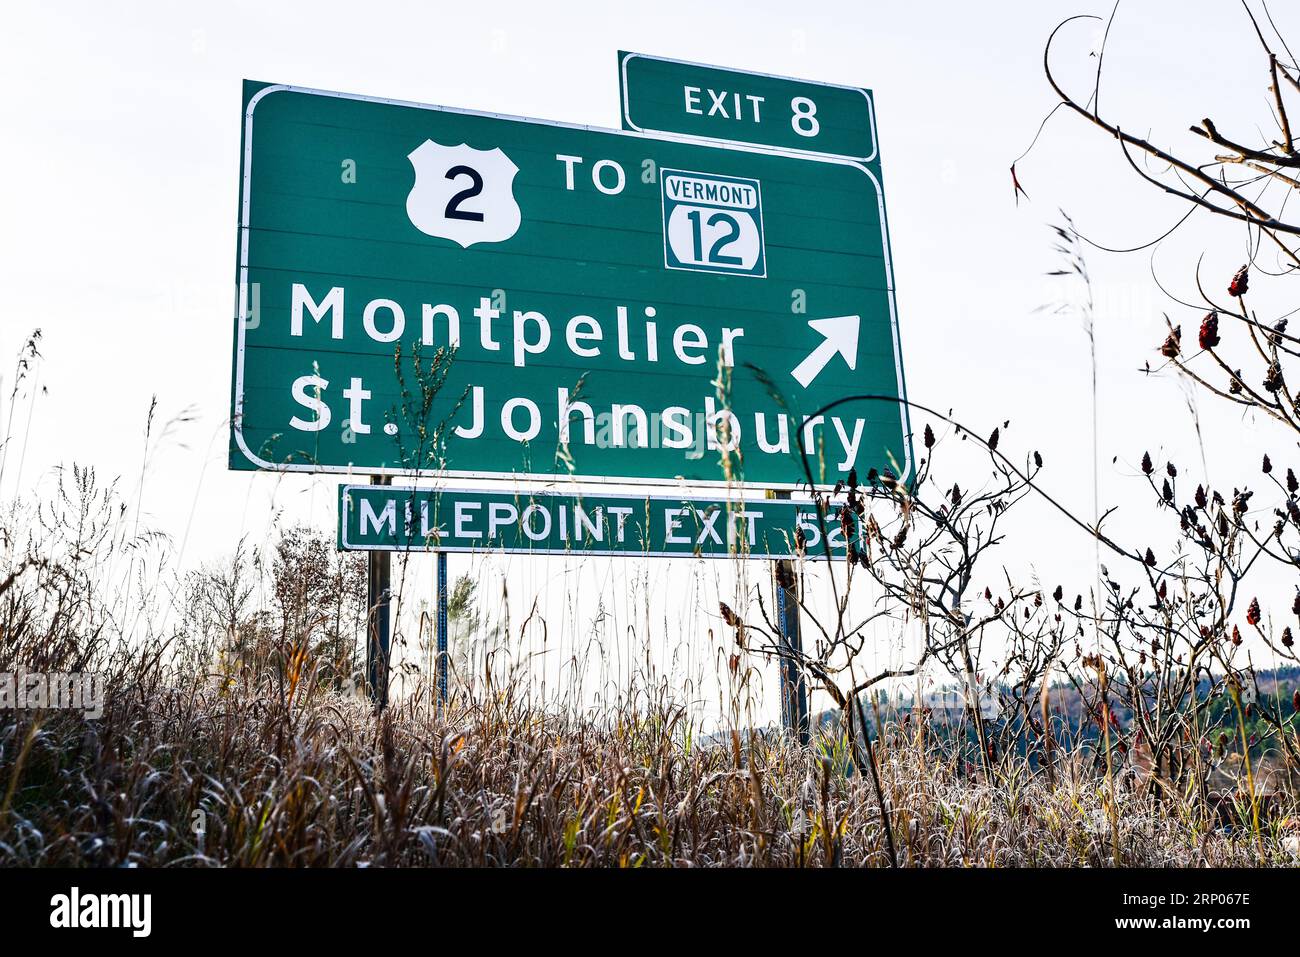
column 239, row 743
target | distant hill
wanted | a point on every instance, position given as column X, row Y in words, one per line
column 946, row 713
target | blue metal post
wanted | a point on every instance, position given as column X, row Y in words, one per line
column 378, row 625
column 787, row 720
column 442, row 630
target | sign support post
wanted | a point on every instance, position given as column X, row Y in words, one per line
column 442, row 659
column 736, row 214
column 794, row 689
column 378, row 623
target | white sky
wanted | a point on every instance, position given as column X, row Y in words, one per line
column 121, row 132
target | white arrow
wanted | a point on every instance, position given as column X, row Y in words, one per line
column 841, row 334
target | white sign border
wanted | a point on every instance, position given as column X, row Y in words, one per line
column 241, row 319
column 810, row 154
column 346, row 490
column 662, row 173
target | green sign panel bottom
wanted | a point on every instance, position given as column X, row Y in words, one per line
column 391, row 518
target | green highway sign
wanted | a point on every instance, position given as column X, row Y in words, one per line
column 424, row 290
column 671, row 96
column 389, row 518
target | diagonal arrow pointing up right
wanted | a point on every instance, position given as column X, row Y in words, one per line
column 841, row 334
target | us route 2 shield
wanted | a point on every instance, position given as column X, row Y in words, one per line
column 428, row 290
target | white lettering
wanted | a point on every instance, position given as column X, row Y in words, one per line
column 508, row 419
column 523, row 346
column 368, row 320
column 697, row 341
column 453, row 324
column 463, row 517
column 313, row 402
column 569, row 162
column 333, row 304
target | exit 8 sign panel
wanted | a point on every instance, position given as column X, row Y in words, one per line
column 428, row 290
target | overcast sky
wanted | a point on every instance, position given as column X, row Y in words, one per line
column 121, row 131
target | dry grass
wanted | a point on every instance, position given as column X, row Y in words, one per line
column 225, row 741
column 326, row 783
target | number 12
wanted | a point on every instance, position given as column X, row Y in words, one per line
column 715, row 251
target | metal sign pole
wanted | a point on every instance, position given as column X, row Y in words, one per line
column 787, row 719
column 378, row 624
column 794, row 689
column 442, row 658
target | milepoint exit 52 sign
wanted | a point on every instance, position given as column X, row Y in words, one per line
column 424, row 290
